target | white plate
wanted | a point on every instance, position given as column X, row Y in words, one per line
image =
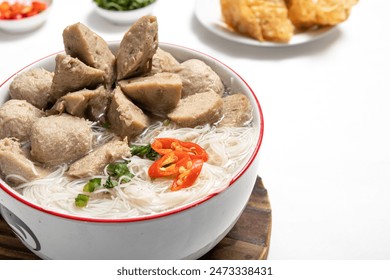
column 209, row 14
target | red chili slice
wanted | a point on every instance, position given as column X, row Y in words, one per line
column 187, row 175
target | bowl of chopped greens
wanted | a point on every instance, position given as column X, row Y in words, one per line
column 124, row 12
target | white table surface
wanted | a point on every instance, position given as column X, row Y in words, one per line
column 325, row 156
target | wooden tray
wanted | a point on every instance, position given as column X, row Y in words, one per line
column 249, row 239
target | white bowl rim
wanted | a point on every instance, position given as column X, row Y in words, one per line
column 18, row 197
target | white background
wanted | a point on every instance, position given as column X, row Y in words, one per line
column 325, row 157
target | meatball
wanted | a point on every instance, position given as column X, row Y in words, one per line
column 60, row 139
column 33, row 86
column 16, row 119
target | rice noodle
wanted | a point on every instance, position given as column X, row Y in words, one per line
column 228, row 150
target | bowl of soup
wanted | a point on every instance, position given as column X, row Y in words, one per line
column 155, row 160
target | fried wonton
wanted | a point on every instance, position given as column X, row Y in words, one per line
column 264, row 20
column 308, row 13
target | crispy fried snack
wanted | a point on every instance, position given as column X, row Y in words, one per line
column 264, row 20
column 308, row 13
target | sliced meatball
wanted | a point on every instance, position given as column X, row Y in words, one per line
column 197, row 77
column 198, row 109
column 33, row 86
column 90, row 48
column 60, row 139
column 85, row 103
column 124, row 117
column 137, row 48
column 164, row 62
column 71, row 74
column 94, row 163
column 14, row 161
column 237, row 110
column 16, row 119
column 159, row 94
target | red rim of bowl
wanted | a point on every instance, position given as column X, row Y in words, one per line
column 19, row 198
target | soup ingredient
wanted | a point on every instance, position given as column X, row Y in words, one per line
column 158, row 94
column 60, row 139
column 72, row 74
column 85, row 103
column 137, row 48
column 264, row 20
column 144, row 151
column 117, row 171
column 237, row 110
column 165, row 146
column 197, row 77
column 18, row 10
column 92, row 185
column 163, row 62
column 168, row 164
column 16, row 119
column 123, row 5
column 198, row 109
column 90, row 48
column 187, row 175
column 125, row 118
column 183, row 160
column 14, row 163
column 81, row 200
column 33, row 86
column 94, row 163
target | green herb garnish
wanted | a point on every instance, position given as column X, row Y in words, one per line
column 119, row 169
column 109, row 184
column 144, row 151
column 115, row 171
column 123, row 5
column 92, row 185
column 81, row 200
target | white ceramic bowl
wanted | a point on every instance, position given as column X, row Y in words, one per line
column 125, row 17
column 185, row 233
column 26, row 24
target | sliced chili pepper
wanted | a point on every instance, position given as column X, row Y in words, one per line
column 167, row 145
column 187, row 174
column 168, row 165
column 19, row 10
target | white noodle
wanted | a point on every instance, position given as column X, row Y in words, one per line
column 228, row 149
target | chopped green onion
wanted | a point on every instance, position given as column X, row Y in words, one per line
column 92, row 185
column 81, row 200
column 119, row 169
column 109, row 184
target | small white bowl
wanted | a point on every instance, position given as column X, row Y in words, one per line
column 26, row 24
column 125, row 17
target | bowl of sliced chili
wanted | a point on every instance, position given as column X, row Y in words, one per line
column 23, row 16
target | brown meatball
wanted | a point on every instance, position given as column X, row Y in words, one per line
column 16, row 119
column 197, row 77
column 72, row 74
column 94, row 163
column 60, row 139
column 158, row 94
column 13, row 161
column 125, row 118
column 198, row 109
column 137, row 48
column 90, row 48
column 33, row 86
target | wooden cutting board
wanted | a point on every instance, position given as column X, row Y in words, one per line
column 249, row 239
